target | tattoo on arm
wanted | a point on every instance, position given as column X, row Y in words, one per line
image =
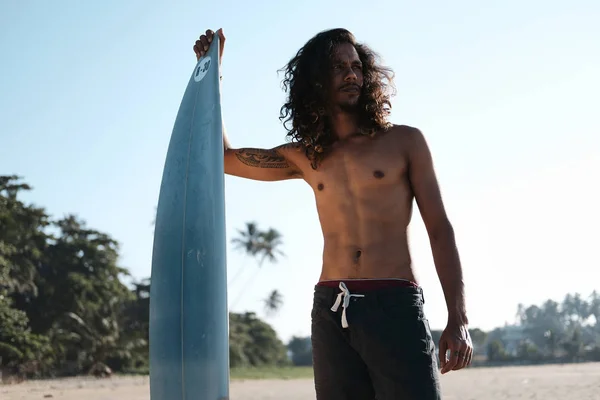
column 261, row 158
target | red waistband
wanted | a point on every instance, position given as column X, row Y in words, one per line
column 369, row 284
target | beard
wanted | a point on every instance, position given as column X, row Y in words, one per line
column 349, row 106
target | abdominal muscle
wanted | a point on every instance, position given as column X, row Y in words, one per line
column 365, row 248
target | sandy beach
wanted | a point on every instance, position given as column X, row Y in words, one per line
column 557, row 382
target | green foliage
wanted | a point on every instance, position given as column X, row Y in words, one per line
column 573, row 344
column 63, row 289
column 257, row 243
column 273, row 302
column 527, row 350
column 301, row 350
column 478, row 337
column 568, row 331
column 20, row 350
column 496, row 351
column 22, row 239
column 254, row 342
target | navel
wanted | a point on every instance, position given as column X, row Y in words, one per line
column 378, row 174
column 357, row 255
column 320, row 186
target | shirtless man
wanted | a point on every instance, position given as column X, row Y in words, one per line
column 370, row 336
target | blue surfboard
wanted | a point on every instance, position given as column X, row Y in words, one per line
column 189, row 340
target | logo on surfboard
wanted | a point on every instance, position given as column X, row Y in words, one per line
column 202, row 69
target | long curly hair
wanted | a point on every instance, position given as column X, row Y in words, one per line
column 307, row 79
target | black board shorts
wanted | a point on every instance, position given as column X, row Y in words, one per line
column 379, row 348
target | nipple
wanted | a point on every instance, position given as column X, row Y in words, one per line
column 378, row 174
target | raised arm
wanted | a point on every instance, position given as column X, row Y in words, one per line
column 258, row 164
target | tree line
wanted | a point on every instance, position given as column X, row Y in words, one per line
column 65, row 309
column 550, row 333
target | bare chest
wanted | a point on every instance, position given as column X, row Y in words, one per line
column 361, row 170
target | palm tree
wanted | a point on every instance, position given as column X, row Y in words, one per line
column 248, row 241
column 594, row 306
column 268, row 246
column 273, row 302
column 575, row 309
column 263, row 245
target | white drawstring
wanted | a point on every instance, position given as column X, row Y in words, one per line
column 345, row 293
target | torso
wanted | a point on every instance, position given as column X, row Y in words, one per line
column 364, row 201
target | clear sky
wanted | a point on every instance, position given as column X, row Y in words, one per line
column 507, row 94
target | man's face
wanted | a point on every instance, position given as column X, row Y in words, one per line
column 346, row 77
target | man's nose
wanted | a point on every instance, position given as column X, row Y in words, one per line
column 350, row 75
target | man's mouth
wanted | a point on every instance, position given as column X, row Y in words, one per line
column 350, row 88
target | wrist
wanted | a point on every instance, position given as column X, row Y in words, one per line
column 458, row 317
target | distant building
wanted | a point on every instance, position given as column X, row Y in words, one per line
column 512, row 337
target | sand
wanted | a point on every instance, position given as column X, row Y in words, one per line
column 565, row 382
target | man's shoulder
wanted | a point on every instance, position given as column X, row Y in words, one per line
column 290, row 147
column 406, row 135
column 294, row 152
column 405, row 130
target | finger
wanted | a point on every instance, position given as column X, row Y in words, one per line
column 200, row 52
column 443, row 350
column 209, row 35
column 470, row 357
column 460, row 361
column 465, row 355
column 453, row 360
column 462, row 357
column 200, row 47
column 204, row 42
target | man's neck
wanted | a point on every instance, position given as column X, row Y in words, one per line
column 344, row 125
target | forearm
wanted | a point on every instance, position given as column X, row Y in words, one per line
column 449, row 270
